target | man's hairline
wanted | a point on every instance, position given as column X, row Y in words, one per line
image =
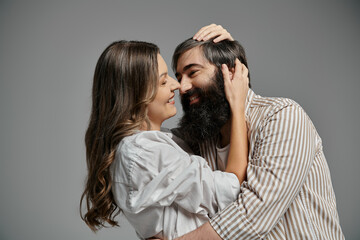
column 201, row 47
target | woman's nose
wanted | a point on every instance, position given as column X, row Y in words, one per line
column 175, row 85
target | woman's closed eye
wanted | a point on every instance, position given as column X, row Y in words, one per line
column 163, row 82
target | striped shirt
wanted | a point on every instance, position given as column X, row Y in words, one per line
column 288, row 193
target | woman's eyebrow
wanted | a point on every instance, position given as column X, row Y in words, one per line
column 164, row 73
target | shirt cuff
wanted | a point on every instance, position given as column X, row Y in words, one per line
column 231, row 223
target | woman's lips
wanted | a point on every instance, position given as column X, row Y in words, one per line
column 172, row 100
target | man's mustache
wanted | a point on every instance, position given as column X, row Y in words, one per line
column 185, row 98
column 188, row 94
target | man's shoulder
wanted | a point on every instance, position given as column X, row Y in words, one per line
column 271, row 102
column 271, row 105
column 262, row 109
column 177, row 137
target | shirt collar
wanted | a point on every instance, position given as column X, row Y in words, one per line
column 248, row 101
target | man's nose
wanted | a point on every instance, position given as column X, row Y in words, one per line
column 185, row 85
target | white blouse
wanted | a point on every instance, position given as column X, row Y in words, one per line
column 162, row 190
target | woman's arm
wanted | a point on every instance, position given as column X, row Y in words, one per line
column 236, row 89
column 161, row 175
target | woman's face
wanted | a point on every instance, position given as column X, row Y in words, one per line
column 163, row 106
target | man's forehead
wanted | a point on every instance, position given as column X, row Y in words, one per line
column 193, row 56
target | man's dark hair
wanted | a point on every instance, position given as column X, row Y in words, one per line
column 224, row 52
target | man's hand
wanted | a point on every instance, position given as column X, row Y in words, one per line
column 212, row 31
column 205, row 232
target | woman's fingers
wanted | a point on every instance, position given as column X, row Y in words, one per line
column 226, row 73
column 225, row 36
column 230, row 89
column 238, row 69
column 236, row 89
column 245, row 74
column 200, row 33
column 245, row 71
column 212, row 31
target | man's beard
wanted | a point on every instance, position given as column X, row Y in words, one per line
column 204, row 119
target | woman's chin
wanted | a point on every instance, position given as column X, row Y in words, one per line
column 171, row 115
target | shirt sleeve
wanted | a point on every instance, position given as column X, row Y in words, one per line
column 161, row 174
column 280, row 161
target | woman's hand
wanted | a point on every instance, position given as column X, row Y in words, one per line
column 236, row 85
column 211, row 31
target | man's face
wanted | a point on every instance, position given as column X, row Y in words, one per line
column 202, row 96
column 194, row 71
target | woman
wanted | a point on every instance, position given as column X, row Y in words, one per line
column 135, row 168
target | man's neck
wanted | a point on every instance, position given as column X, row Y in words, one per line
column 225, row 132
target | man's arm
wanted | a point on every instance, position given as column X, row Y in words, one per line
column 205, row 232
column 281, row 159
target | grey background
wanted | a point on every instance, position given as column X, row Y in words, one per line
column 305, row 50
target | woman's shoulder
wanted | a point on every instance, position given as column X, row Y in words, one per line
column 140, row 148
column 144, row 138
column 146, row 141
column 148, row 150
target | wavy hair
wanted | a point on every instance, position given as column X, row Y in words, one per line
column 125, row 82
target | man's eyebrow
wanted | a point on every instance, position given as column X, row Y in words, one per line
column 190, row 66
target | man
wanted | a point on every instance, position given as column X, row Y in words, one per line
column 288, row 193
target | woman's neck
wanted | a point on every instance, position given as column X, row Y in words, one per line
column 153, row 126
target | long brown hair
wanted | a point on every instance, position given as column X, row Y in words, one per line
column 125, row 82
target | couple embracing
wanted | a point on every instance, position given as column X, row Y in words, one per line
column 238, row 166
